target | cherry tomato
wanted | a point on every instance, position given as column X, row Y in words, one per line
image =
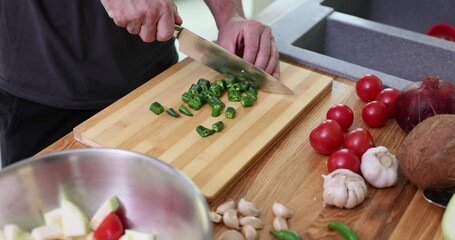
column 327, row 137
column 343, row 158
column 358, row 141
column 388, row 97
column 374, row 114
column 342, row 114
column 111, row 228
column 367, row 87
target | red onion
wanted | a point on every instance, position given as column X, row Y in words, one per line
column 424, row 99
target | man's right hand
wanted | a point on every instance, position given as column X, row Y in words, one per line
column 150, row 19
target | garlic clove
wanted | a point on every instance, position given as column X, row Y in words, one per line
column 247, row 208
column 231, row 235
column 230, row 204
column 280, row 210
column 249, row 232
column 215, row 217
column 252, row 221
column 230, row 219
column 279, row 223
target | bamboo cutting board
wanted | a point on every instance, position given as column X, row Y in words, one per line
column 215, row 162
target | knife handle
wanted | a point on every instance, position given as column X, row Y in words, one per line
column 177, row 30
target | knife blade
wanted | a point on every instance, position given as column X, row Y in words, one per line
column 225, row 62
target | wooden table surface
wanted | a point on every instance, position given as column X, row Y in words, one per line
column 290, row 173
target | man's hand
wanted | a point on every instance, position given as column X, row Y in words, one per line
column 253, row 41
column 151, row 19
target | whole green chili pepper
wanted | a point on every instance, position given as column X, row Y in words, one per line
column 230, row 112
column 172, row 112
column 344, row 230
column 156, row 108
column 218, row 126
column 203, row 131
column 233, row 95
column 185, row 110
column 247, row 101
column 286, row 234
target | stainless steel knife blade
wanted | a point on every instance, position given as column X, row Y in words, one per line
column 225, row 62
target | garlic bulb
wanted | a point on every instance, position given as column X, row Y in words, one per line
column 344, row 189
column 379, row 167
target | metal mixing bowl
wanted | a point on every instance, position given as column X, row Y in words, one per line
column 156, row 197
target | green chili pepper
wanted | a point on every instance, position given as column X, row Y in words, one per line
column 230, row 80
column 216, row 112
column 233, row 95
column 195, row 104
column 247, row 101
column 186, row 96
column 344, row 230
column 230, row 112
column 216, row 89
column 156, row 108
column 172, row 112
column 215, row 102
column 244, row 86
column 185, row 110
column 204, row 83
column 286, row 234
column 203, row 131
column 221, row 82
column 208, row 94
column 235, row 86
column 218, row 126
column 195, row 89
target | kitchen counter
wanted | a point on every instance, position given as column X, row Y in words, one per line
column 290, row 173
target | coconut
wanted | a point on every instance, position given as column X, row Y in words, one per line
column 427, row 154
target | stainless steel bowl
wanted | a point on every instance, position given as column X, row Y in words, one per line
column 156, row 197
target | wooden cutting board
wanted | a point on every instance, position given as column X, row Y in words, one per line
column 215, row 162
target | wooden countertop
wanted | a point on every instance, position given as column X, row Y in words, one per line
column 290, row 173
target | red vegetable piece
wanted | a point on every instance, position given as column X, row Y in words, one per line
column 342, row 114
column 388, row 97
column 374, row 114
column 359, row 141
column 368, row 86
column 344, row 158
column 327, row 137
column 111, row 228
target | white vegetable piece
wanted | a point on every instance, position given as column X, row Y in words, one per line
column 14, row 232
column 247, row 208
column 379, row 167
column 136, row 235
column 53, row 218
column 74, row 221
column 280, row 210
column 46, row 232
column 344, row 189
column 110, row 205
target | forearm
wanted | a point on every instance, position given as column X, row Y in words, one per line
column 223, row 10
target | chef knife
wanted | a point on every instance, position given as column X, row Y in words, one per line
column 225, row 62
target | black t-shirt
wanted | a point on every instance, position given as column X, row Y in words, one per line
column 70, row 54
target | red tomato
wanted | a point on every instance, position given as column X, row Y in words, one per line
column 342, row 114
column 111, row 228
column 327, row 137
column 367, row 87
column 374, row 114
column 358, row 141
column 344, row 158
column 388, row 97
